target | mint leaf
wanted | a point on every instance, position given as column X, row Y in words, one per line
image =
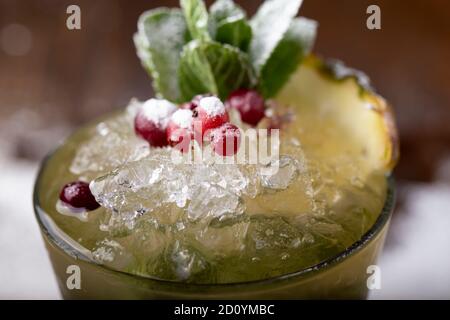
column 226, row 9
column 236, row 33
column 161, row 35
column 211, row 67
column 296, row 43
column 269, row 25
column 228, row 24
column 196, row 18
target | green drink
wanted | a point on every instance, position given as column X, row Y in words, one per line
column 305, row 222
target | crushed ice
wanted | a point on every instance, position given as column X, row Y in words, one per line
column 131, row 180
column 114, row 143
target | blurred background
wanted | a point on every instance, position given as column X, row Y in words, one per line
column 52, row 80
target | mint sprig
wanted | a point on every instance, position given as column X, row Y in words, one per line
column 197, row 18
column 210, row 67
column 162, row 34
column 227, row 52
column 228, row 24
column 295, row 44
column 269, row 24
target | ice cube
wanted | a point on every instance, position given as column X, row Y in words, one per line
column 182, row 262
column 133, row 189
column 106, row 251
column 187, row 262
column 114, row 143
column 213, row 201
column 155, row 184
column 279, row 174
column 274, row 236
column 225, row 237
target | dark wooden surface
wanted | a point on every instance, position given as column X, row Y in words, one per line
column 68, row 77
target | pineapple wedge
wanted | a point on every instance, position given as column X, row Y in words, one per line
column 330, row 90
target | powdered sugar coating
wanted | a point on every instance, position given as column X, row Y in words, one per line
column 158, row 111
column 226, row 139
column 212, row 106
column 182, row 118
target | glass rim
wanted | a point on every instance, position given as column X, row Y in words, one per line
column 68, row 249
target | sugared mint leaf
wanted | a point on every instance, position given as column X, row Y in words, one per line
column 226, row 9
column 196, row 18
column 269, row 24
column 236, row 33
column 228, row 24
column 287, row 55
column 161, row 35
column 212, row 67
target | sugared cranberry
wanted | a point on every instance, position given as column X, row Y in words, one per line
column 152, row 120
column 275, row 123
column 78, row 195
column 179, row 130
column 249, row 103
column 210, row 114
column 279, row 121
column 226, row 139
column 191, row 105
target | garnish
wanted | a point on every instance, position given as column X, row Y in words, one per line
column 192, row 51
column 226, row 139
column 179, row 130
column 159, row 42
column 285, row 57
column 197, row 18
column 152, row 120
column 250, row 105
column 211, row 67
column 191, row 105
column 77, row 195
column 211, row 114
column 228, row 24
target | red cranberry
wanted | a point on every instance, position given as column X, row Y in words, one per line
column 226, row 139
column 210, row 114
column 149, row 131
column 249, row 103
column 191, row 105
column 278, row 121
column 152, row 120
column 78, row 195
column 179, row 130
